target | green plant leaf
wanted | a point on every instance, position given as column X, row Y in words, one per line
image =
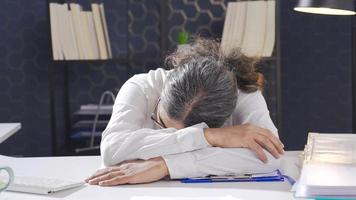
column 183, row 37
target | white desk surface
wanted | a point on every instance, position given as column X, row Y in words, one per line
column 8, row 129
column 78, row 168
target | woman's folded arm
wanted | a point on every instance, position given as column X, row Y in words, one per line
column 217, row 161
column 125, row 138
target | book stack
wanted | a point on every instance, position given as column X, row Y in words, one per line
column 250, row 26
column 92, row 109
column 329, row 168
column 85, row 120
column 78, row 34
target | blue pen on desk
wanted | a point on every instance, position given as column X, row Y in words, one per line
column 289, row 179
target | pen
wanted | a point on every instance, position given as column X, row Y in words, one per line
column 331, row 198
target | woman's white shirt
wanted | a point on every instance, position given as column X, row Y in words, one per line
column 131, row 133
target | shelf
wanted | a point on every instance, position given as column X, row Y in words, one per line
column 89, row 124
column 126, row 60
column 267, row 59
column 85, row 134
column 112, row 60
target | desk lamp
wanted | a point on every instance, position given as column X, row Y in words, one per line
column 326, row 7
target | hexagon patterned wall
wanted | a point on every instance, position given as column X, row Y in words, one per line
column 205, row 18
column 24, row 84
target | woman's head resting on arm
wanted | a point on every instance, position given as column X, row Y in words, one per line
column 202, row 87
column 201, row 90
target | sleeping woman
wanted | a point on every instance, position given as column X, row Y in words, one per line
column 204, row 116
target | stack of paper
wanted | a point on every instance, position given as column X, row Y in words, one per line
column 250, row 26
column 327, row 180
column 78, row 34
column 329, row 167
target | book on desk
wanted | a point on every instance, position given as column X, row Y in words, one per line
column 329, row 168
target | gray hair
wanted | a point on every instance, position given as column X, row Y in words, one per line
column 201, row 90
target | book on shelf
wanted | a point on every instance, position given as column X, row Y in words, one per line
column 105, row 28
column 94, row 47
column 255, row 28
column 329, row 167
column 54, row 31
column 88, row 124
column 75, row 12
column 93, row 109
column 85, row 134
column 100, row 31
column 67, row 36
column 270, row 36
column 79, row 34
column 250, row 26
column 86, row 37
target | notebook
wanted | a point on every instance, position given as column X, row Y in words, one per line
column 38, row 185
column 329, row 168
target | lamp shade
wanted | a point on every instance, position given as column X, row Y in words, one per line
column 326, row 7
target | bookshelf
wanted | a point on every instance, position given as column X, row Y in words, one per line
column 69, row 49
column 164, row 13
column 79, row 34
column 65, row 64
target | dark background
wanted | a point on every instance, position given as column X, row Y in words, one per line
column 315, row 54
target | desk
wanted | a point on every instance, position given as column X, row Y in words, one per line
column 78, row 168
column 8, row 129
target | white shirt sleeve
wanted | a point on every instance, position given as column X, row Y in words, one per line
column 250, row 108
column 125, row 137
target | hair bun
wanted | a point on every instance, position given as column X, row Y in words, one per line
column 244, row 67
column 245, row 70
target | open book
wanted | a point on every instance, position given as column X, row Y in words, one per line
column 329, row 167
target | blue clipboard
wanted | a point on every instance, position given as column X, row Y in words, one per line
column 268, row 177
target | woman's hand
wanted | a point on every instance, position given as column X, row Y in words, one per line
column 246, row 136
column 130, row 173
